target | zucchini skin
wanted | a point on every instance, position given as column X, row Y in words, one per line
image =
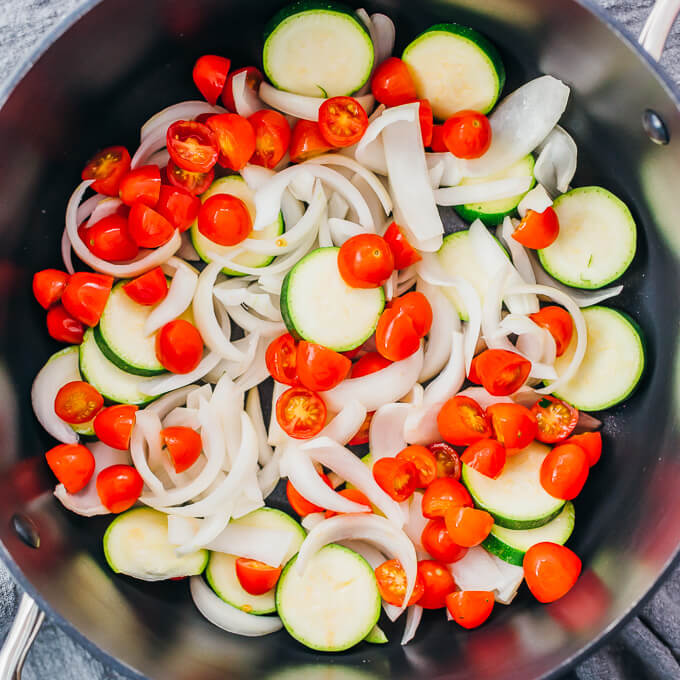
column 116, row 360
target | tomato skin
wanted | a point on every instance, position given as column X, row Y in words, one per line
column 306, row 141
column 63, row 327
column 320, row 368
column 397, row 478
column 210, row 74
column 179, row 346
column 538, row 230
column 365, row 261
column 301, row 413
column 256, row 577
column 395, row 336
column 299, row 503
column 77, row 402
column 119, row 487
column 470, row 608
column 369, row 363
column 193, row 182
column 473, row 374
column 391, row 579
column 272, row 137
column 417, row 306
column 72, row 465
column 468, row 526
column 426, row 121
column 113, row 425
column 281, row 360
column 48, row 286
column 110, row 239
column 361, row 437
column 555, row 419
column 423, row 461
column 403, row 252
column 147, row 289
column 178, row 206
column 501, row 371
column 437, row 145
column 550, row 570
column 437, row 583
column 254, row 78
column 462, row 421
column 235, row 139
column 184, row 446
column 225, row 220
column 487, row 456
column 148, row 228
column 192, row 146
column 141, row 184
column 392, row 84
column 342, row 121
column 107, row 168
column 590, row 442
column 514, row 425
column 448, row 461
column 85, row 296
column 558, row 322
column 353, row 495
column 436, row 541
column 444, row 493
column 467, row 134
column 564, row 471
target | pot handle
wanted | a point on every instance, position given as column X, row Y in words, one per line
column 658, row 26
column 18, row 642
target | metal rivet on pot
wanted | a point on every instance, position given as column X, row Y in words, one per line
column 26, row 530
column 655, row 127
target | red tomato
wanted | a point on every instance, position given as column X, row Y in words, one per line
column 254, row 78
column 193, row 182
column 556, row 419
column 72, row 465
column 147, row 289
column 502, row 372
column 550, row 570
column 148, row 228
column 85, row 296
column 395, row 336
column 590, row 442
column 436, row 541
column 224, row 219
column 272, row 137
column 210, row 74
column 299, row 503
column 353, row 495
column 320, row 368
column 470, row 608
column 369, row 363
column 179, row 346
column 391, row 579
column 110, row 239
column 538, row 230
column 558, row 323
column 119, row 487
column 514, row 425
column 448, row 461
column 306, row 141
column 468, row 526
column 467, row 134
column 397, row 478
column 342, row 121
column 235, row 139
column 462, row 421
column 437, row 145
column 473, row 374
column 281, row 360
column 184, row 446
column 48, row 286
column 178, row 206
column 192, row 146
column 77, row 402
column 256, row 577
column 107, row 169
column 486, row 456
column 392, row 84
column 361, row 437
column 63, row 327
column 437, row 583
column 301, row 413
column 423, row 461
column 365, row 261
column 444, row 493
column 141, row 184
column 417, row 306
column 564, row 471
column 403, row 252
column 113, row 425
column 426, row 121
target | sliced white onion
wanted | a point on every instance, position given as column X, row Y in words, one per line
column 371, row 154
column 179, row 297
column 160, row 158
column 311, row 520
column 556, row 163
column 180, row 111
column 187, row 251
column 511, row 579
column 479, row 193
column 227, row 400
column 256, row 176
column 152, row 143
column 253, row 297
column 104, row 208
column 414, row 396
column 537, row 200
column 193, row 400
column 343, row 230
column 270, row 474
column 414, row 615
column 246, row 101
column 390, row 287
column 421, row 427
column 345, row 424
column 337, row 207
column 383, row 34
column 66, row 252
column 416, row 521
column 208, row 530
column 453, row 167
column 519, row 255
column 276, row 435
column 254, row 410
column 483, row 398
column 182, row 417
column 436, row 173
column 251, row 323
column 87, row 207
column 146, row 432
column 452, row 377
column 386, row 433
column 291, row 209
column 166, row 383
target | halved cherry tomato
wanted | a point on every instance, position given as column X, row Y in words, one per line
column 590, row 442
column 147, row 289
column 63, row 327
column 179, row 206
column 564, row 471
column 184, row 446
column 361, row 437
column 397, row 478
column 320, row 368
column 77, row 402
column 403, row 252
column 353, row 495
column 72, row 465
column 85, row 296
column 193, row 182
column 501, row 371
column 272, row 137
column 556, row 419
column 417, row 306
column 141, row 184
column 395, row 336
column 113, row 425
column 110, row 239
column 224, row 219
column 342, row 121
column 391, row 579
column 235, row 139
column 550, row 570
column 473, row 374
column 470, row 608
column 436, row 541
column 437, row 584
column 210, row 74
column 119, row 487
column 558, row 323
column 462, row 421
column 256, row 577
column 468, row 526
column 301, row 413
column 369, row 363
column 148, row 228
column 192, row 146
column 392, row 84
column 281, row 360
column 467, row 134
column 538, row 230
column 48, row 286
column 514, row 425
column 444, row 493
column 254, row 78
column 487, row 456
column 299, row 503
column 437, row 145
column 179, row 346
column 426, row 121
column 365, row 261
column 423, row 461
column 107, row 169
column 306, row 141
column 448, row 461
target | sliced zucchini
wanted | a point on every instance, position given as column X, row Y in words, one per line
column 455, row 68
column 235, row 186
column 318, row 306
column 136, row 544
column 515, row 498
column 376, row 636
column 613, row 363
column 597, row 239
column 511, row 544
column 493, row 212
column 271, row 518
column 332, row 606
column 319, row 49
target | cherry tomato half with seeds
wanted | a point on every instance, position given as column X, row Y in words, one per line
column 77, row 402
column 423, row 461
column 395, row 335
column 417, row 306
column 72, row 465
column 192, row 146
column 403, row 252
column 235, row 139
column 487, row 456
column 210, row 75
column 538, row 230
column 254, row 79
column 437, row 542
column 555, row 419
column 301, row 413
column 63, row 327
column 178, row 206
column 147, row 289
column 306, row 141
column 142, row 184
column 467, row 134
column 86, row 295
column 564, row 471
column 342, row 121
column 468, row 526
column 365, row 261
column 426, row 121
column 391, row 579
column 48, row 286
column 224, row 219
column 107, row 169
column 392, row 84
column 256, row 577
column 369, row 363
column 461, row 421
column 362, row 435
column 184, row 446
column 193, row 182
column 179, row 346
column 514, row 425
column 558, row 322
column 299, row 503
column 590, row 442
column 119, row 487
column 501, row 371
column 281, row 360
column 110, row 239
column 319, row 368
column 272, row 137
column 148, row 228
column 550, row 570
column 437, row 584
column 352, row 495
column 113, row 425
column 444, row 493
column 470, row 608
column 448, row 461
column 397, row 478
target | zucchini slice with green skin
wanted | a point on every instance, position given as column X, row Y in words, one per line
column 376, row 636
column 510, row 545
column 455, row 68
column 318, row 49
column 492, row 213
column 318, row 306
column 136, row 544
column 234, row 185
column 613, row 364
column 597, row 239
column 332, row 606
column 515, row 498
